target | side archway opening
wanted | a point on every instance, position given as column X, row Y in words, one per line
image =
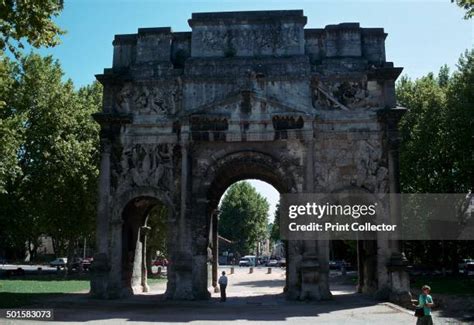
column 144, row 245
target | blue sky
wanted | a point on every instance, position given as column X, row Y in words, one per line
column 423, row 35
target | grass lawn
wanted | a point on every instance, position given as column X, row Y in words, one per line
column 446, row 285
column 156, row 280
column 23, row 291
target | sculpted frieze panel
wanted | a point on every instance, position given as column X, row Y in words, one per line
column 342, row 95
column 156, row 99
column 264, row 40
column 145, row 165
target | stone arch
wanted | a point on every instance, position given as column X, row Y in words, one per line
column 226, row 170
column 247, row 164
column 120, row 201
column 128, row 243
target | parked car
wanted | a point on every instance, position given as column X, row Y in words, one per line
column 463, row 265
column 86, row 263
column 282, row 262
column 247, row 260
column 469, row 269
column 272, row 263
column 160, row 261
column 59, row 262
column 76, row 262
column 263, row 260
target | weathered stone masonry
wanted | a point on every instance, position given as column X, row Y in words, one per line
column 243, row 95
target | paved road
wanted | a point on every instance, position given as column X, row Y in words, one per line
column 27, row 267
column 253, row 299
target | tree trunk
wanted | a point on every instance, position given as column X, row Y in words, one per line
column 70, row 256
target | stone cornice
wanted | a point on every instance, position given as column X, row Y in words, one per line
column 385, row 73
column 112, row 118
column 245, row 17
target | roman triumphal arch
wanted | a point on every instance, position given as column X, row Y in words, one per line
column 242, row 95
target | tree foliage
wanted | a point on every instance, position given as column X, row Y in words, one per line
column 51, row 146
column 243, row 217
column 467, row 5
column 437, row 152
column 30, row 20
column 275, row 230
column 157, row 221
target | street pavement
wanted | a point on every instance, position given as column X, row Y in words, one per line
column 255, row 298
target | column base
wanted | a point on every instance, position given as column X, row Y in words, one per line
column 314, row 284
column 100, row 276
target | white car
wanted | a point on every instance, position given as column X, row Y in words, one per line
column 245, row 262
column 463, row 265
column 59, row 262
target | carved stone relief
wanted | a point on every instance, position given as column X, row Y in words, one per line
column 342, row 94
column 265, row 39
column 148, row 99
column 146, row 165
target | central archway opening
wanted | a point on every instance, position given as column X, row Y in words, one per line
column 249, row 250
column 270, row 175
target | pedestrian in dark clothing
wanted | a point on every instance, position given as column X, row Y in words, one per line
column 223, row 286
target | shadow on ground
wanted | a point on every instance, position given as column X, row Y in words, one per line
column 153, row 308
column 262, row 283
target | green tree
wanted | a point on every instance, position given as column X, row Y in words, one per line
column 459, row 129
column 57, row 154
column 275, row 230
column 467, row 5
column 156, row 239
column 10, row 125
column 243, row 217
column 436, row 153
column 29, row 20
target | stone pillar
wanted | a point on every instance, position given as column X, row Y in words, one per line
column 104, row 192
column 200, row 241
column 100, row 265
column 314, row 264
column 399, row 280
column 323, row 257
column 215, row 250
column 137, row 263
column 399, row 284
column 397, row 265
column 310, row 274
column 360, row 266
column 181, row 287
column 144, row 234
column 116, row 288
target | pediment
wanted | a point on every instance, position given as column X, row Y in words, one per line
column 247, row 104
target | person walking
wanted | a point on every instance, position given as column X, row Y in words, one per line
column 223, row 286
column 425, row 301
